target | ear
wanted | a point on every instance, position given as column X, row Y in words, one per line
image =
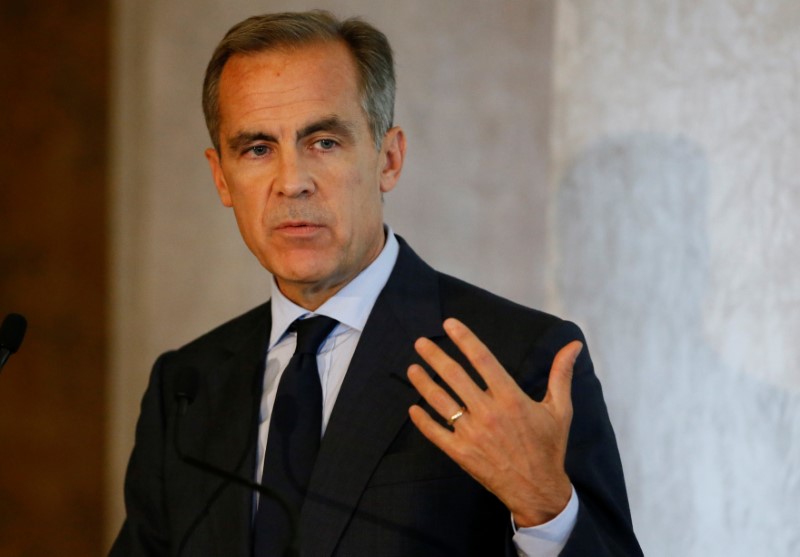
column 393, row 153
column 219, row 178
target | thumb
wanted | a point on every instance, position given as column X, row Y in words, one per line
column 559, row 386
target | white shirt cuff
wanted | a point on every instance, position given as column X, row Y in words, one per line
column 548, row 539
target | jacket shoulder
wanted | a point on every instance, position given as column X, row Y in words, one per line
column 479, row 305
column 513, row 333
column 231, row 334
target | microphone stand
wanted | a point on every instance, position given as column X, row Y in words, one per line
column 183, row 402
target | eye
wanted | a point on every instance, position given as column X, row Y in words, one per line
column 258, row 150
column 326, row 144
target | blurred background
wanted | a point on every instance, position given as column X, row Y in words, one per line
column 629, row 165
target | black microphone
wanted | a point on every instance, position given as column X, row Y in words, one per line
column 186, row 384
column 12, row 331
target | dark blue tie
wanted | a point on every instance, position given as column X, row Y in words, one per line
column 295, row 429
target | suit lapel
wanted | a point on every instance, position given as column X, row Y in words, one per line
column 373, row 402
column 235, row 388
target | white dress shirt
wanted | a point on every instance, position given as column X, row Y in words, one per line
column 351, row 307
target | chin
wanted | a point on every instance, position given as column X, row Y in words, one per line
column 306, row 271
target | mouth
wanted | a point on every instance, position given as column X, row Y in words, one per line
column 298, row 228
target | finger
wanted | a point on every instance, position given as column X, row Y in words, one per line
column 435, row 433
column 559, row 385
column 478, row 355
column 449, row 442
column 450, row 371
column 439, row 399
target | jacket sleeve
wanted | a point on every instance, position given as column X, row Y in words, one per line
column 145, row 532
column 603, row 526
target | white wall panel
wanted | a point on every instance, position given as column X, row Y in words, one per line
column 675, row 137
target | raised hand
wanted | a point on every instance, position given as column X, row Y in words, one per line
column 504, row 439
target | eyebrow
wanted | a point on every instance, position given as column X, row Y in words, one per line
column 241, row 139
column 331, row 124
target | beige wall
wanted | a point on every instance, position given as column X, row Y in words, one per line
column 629, row 165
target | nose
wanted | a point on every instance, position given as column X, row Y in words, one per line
column 293, row 179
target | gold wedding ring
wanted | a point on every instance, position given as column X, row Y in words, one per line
column 454, row 418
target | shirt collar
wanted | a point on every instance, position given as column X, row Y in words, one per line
column 350, row 306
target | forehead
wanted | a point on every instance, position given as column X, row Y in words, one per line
column 290, row 83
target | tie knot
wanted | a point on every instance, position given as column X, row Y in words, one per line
column 311, row 332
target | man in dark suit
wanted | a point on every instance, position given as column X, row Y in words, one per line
column 452, row 422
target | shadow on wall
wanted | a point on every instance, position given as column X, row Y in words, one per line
column 708, row 451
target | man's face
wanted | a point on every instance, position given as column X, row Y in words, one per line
column 299, row 166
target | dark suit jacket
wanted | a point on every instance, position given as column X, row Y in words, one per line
column 379, row 487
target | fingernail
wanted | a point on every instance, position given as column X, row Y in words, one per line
column 577, row 353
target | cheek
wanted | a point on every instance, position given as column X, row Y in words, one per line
column 247, row 227
column 363, row 205
column 249, row 208
column 365, row 188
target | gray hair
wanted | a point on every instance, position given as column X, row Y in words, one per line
column 370, row 49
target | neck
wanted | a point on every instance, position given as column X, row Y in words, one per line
column 311, row 295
